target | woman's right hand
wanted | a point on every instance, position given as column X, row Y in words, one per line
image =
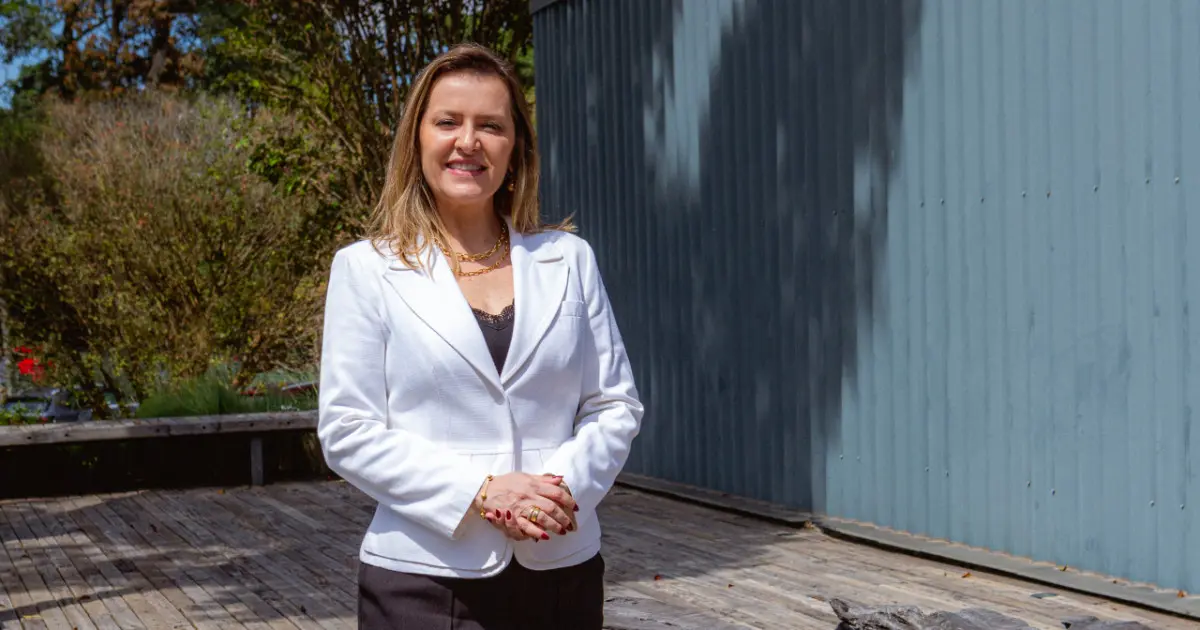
column 511, row 496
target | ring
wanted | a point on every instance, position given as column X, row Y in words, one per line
column 533, row 514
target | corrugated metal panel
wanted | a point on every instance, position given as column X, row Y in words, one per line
column 925, row 264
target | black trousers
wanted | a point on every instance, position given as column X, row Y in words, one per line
column 516, row 599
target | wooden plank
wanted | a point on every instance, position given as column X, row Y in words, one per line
column 133, row 557
column 159, row 565
column 627, row 608
column 256, row 461
column 284, row 556
column 41, row 608
column 333, row 596
column 189, row 567
column 334, row 556
column 242, row 584
column 306, row 606
column 20, row 603
column 83, row 610
column 83, row 555
column 102, row 430
column 838, row 564
column 8, row 613
column 157, row 602
column 9, row 583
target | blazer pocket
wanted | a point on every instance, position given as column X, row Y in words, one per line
column 572, row 308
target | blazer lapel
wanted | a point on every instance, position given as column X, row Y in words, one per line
column 435, row 298
column 539, row 283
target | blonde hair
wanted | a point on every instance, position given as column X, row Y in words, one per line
column 406, row 211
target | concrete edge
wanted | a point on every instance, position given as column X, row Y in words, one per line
column 984, row 561
column 1118, row 591
column 723, row 501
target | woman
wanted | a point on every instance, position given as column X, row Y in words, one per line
column 473, row 379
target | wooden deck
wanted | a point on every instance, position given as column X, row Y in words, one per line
column 284, row 556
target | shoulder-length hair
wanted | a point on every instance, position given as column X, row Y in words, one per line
column 406, row 218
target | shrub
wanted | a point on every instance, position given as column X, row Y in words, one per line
column 215, row 393
column 148, row 248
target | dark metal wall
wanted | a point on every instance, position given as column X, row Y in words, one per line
column 922, row 263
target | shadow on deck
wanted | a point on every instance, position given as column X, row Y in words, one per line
column 285, row 556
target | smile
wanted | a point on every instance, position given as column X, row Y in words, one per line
column 465, row 169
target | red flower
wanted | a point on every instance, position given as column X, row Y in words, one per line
column 23, row 350
column 26, row 366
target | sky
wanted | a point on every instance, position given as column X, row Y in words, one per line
column 7, row 71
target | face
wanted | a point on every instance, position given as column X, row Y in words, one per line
column 467, row 137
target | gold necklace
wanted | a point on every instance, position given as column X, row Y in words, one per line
column 485, row 255
column 502, row 241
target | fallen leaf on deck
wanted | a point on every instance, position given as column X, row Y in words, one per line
column 1063, row 568
column 1181, row 594
column 731, row 586
column 657, row 577
column 967, row 574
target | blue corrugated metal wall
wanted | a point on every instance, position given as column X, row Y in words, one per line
column 922, row 263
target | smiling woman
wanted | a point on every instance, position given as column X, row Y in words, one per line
column 473, row 378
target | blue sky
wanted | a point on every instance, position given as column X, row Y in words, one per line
column 7, row 71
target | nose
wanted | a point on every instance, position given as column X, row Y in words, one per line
column 468, row 140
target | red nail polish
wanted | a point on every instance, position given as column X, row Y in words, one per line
column 571, row 528
column 497, row 514
column 545, row 536
column 562, row 531
column 576, row 508
column 509, row 513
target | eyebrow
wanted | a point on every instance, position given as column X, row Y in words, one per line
column 447, row 112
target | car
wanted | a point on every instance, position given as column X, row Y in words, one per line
column 54, row 405
column 46, row 405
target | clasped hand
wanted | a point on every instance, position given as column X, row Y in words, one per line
column 512, row 499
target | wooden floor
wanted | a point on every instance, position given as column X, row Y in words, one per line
column 284, row 556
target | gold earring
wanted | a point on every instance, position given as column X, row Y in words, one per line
column 511, row 186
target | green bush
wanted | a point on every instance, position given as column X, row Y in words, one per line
column 214, row 393
column 147, row 247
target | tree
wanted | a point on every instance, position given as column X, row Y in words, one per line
column 156, row 251
column 101, row 47
column 347, row 65
column 147, row 229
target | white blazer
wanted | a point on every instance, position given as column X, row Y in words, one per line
column 414, row 414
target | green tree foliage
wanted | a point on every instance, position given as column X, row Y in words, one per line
column 154, row 251
column 346, row 67
column 102, row 47
column 175, row 174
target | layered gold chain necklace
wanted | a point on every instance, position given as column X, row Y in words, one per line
column 501, row 242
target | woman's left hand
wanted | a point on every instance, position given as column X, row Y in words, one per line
column 531, row 518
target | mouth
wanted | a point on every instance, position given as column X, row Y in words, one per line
column 465, row 168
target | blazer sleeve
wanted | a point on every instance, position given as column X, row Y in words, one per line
column 408, row 473
column 610, row 414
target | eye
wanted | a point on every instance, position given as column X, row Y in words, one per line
column 493, row 126
column 444, row 122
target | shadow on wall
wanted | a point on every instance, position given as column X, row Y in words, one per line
column 730, row 163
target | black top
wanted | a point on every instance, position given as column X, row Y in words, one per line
column 497, row 332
